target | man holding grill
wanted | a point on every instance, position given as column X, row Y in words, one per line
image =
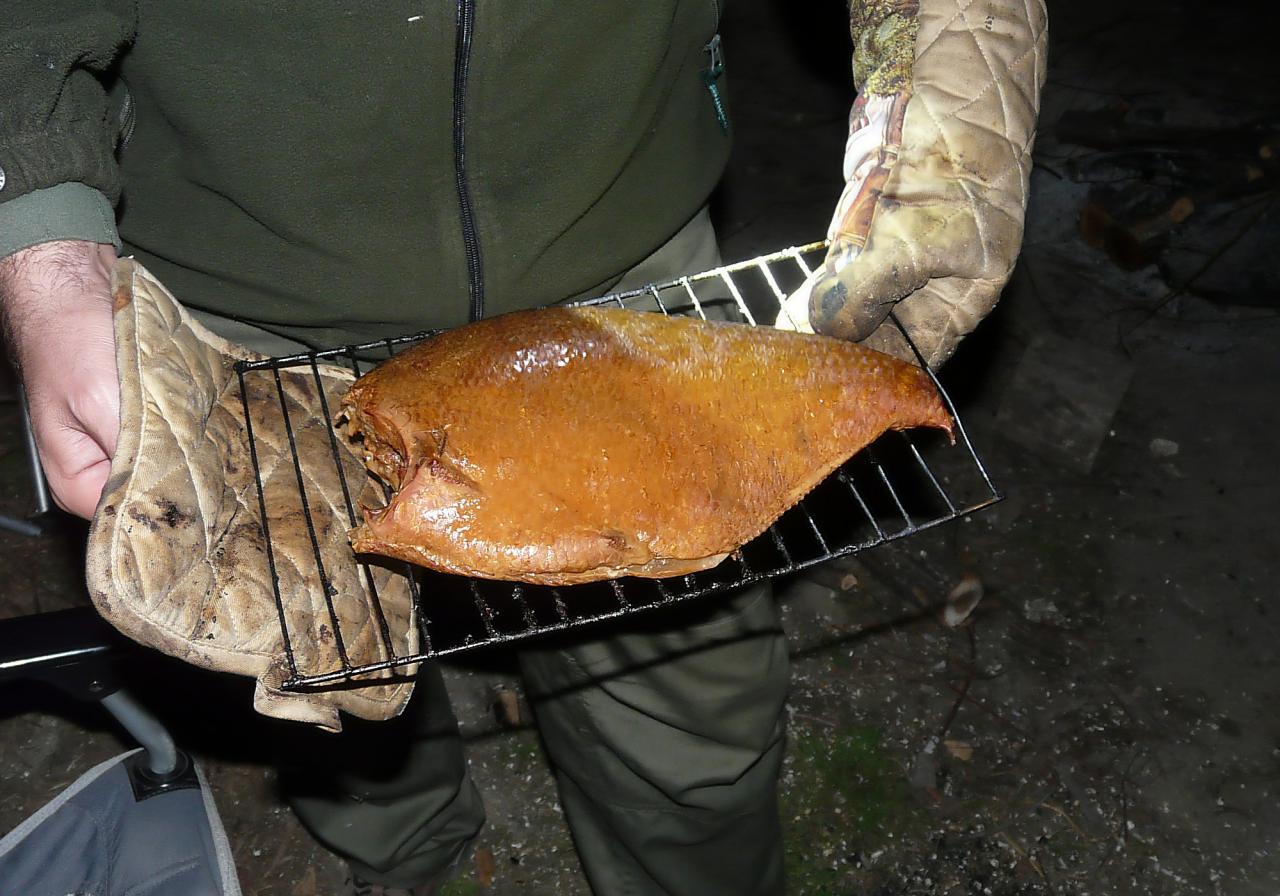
column 318, row 175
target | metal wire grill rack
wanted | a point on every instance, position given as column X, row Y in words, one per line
column 902, row 484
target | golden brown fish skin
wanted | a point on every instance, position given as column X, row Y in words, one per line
column 566, row 445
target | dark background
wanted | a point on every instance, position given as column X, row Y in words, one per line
column 1106, row 722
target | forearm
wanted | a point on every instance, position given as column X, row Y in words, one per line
column 42, row 284
column 56, row 300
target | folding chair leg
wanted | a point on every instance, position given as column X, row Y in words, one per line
column 34, row 524
column 162, row 756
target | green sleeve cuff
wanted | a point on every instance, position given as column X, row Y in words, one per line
column 64, row 212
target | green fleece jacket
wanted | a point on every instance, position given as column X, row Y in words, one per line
column 338, row 172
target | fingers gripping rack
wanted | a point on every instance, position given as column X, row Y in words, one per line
column 902, row 484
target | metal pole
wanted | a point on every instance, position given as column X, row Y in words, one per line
column 162, row 755
column 33, row 457
column 32, row 525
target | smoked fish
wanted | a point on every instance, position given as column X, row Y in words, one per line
column 568, row 445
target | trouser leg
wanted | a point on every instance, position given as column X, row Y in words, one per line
column 667, row 740
column 392, row 798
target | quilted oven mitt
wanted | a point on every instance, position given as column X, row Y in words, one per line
column 936, row 171
column 176, row 558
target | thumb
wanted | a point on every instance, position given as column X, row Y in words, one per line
column 857, row 288
column 907, row 246
column 75, row 464
column 77, row 441
column 80, row 493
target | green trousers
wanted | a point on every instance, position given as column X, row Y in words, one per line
column 665, row 732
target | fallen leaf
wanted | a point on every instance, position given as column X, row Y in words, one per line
column 486, row 867
column 1094, row 222
column 960, row 749
column 1123, row 245
column 306, row 885
column 507, row 707
column 962, row 601
column 1181, row 209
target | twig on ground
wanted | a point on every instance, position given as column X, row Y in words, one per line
column 1054, row 807
column 1023, row 854
column 989, row 711
column 963, row 691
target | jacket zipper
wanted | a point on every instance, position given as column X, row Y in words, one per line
column 710, row 74
column 128, row 121
column 470, row 236
column 714, row 69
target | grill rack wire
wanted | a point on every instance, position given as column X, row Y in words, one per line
column 885, row 492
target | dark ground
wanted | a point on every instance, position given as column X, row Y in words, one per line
column 1106, row 721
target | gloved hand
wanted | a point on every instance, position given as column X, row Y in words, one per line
column 177, row 556
column 936, row 170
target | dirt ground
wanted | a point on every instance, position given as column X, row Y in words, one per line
column 1104, row 721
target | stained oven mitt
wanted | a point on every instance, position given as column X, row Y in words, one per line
column 176, row 558
column 936, row 170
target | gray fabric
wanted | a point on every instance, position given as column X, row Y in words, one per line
column 253, row 338
column 225, row 860
column 96, row 838
column 64, row 212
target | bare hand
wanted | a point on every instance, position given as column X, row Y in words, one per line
column 57, row 306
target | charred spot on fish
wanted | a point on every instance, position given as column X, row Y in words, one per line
column 441, row 437
column 441, row 469
column 616, row 539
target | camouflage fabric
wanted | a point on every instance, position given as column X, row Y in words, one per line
column 936, row 171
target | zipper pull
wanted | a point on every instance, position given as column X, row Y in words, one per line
column 709, row 77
